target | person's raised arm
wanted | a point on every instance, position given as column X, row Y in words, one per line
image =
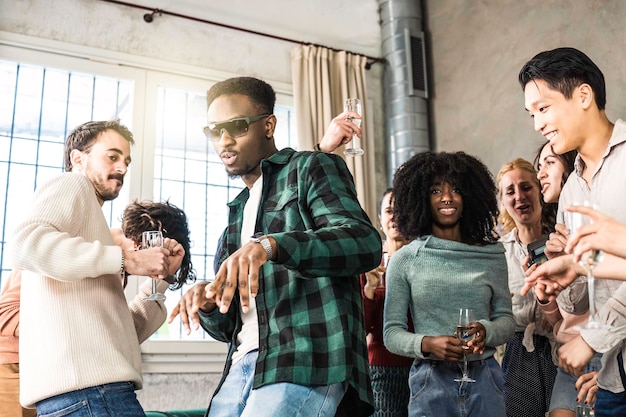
column 339, row 132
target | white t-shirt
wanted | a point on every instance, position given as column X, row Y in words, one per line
column 248, row 337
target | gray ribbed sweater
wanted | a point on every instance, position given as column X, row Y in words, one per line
column 434, row 278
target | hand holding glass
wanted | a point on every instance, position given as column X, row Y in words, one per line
column 381, row 282
column 353, row 105
column 466, row 316
column 588, row 261
column 153, row 239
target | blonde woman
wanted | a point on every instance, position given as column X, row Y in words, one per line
column 528, row 366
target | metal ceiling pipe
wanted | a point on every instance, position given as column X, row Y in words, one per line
column 405, row 89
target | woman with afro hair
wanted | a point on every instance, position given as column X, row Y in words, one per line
column 446, row 203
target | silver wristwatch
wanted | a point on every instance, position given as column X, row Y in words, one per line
column 259, row 237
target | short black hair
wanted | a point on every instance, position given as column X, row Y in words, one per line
column 260, row 92
column 564, row 69
column 84, row 136
column 411, row 191
column 139, row 217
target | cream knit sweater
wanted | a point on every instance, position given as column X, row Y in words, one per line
column 76, row 329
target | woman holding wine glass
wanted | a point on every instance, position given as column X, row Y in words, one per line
column 389, row 372
column 528, row 365
column 447, row 203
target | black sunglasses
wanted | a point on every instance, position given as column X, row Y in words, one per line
column 234, row 127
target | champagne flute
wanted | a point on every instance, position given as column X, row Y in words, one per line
column 381, row 283
column 153, row 239
column 353, row 105
column 466, row 317
column 584, row 411
column 588, row 261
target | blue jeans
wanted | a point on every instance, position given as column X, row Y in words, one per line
column 236, row 398
column 610, row 404
column 564, row 392
column 434, row 392
column 110, row 400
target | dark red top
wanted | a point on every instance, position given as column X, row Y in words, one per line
column 373, row 309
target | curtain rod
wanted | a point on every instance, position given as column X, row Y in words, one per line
column 370, row 59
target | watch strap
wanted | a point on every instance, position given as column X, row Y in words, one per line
column 264, row 241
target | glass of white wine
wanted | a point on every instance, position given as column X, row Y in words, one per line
column 588, row 261
column 153, row 239
column 466, row 317
column 354, row 105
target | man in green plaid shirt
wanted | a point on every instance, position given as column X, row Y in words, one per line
column 286, row 296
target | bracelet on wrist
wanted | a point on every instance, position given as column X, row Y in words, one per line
column 122, row 270
column 123, row 273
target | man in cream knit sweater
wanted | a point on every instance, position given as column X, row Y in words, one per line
column 79, row 339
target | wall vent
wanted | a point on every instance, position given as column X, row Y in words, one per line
column 416, row 59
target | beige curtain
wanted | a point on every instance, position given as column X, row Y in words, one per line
column 322, row 80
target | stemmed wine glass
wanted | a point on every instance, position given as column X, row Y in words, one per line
column 584, row 411
column 588, row 261
column 466, row 316
column 353, row 105
column 153, row 239
column 381, row 282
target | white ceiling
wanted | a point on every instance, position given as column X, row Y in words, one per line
column 341, row 24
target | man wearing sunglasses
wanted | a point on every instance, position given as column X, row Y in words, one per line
column 286, row 295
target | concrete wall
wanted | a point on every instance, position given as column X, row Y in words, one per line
column 163, row 392
column 478, row 48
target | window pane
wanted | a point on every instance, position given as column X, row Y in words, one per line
column 54, row 105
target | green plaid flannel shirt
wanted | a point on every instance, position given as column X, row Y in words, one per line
column 309, row 307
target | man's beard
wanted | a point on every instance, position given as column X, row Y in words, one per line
column 240, row 172
column 105, row 193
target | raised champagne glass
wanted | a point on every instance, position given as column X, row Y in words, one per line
column 354, row 105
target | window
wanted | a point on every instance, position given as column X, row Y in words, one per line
column 172, row 160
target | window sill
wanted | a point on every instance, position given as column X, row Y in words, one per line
column 183, row 357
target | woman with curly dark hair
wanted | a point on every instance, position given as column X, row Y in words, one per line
column 447, row 203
